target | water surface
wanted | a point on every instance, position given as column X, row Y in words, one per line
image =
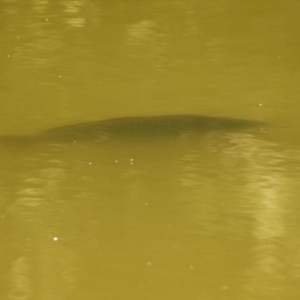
column 209, row 214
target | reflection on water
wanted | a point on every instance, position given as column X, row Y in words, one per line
column 19, row 277
column 209, row 211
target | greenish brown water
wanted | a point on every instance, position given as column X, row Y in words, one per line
column 199, row 214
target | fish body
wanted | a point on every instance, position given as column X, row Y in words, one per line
column 138, row 128
column 169, row 125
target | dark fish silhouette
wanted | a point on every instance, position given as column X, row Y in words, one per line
column 138, row 128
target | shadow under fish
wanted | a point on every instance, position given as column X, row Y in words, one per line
column 137, row 128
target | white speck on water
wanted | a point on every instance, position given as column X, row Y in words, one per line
column 8, row 55
column 46, row 20
column 90, row 163
column 116, row 161
column 260, row 104
column 55, row 239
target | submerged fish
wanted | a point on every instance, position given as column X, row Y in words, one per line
column 138, row 128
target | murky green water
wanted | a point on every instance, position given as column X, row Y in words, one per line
column 209, row 214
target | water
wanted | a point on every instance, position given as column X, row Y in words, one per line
column 209, row 215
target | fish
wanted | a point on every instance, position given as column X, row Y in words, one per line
column 140, row 127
